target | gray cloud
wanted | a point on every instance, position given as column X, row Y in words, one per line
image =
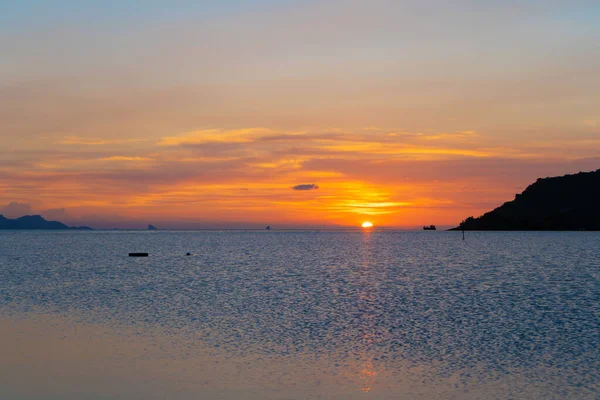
column 14, row 210
column 56, row 214
column 311, row 186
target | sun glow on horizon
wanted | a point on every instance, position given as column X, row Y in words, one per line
column 185, row 143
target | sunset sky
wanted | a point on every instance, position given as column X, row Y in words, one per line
column 247, row 113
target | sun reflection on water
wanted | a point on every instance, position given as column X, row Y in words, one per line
column 367, row 375
column 367, row 298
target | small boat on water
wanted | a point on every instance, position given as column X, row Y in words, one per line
column 429, row 228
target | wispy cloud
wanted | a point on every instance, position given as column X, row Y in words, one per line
column 395, row 177
column 214, row 136
column 125, row 158
column 75, row 140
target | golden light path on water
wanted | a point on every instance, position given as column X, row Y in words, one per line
column 367, row 297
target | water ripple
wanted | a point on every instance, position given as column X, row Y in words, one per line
column 479, row 310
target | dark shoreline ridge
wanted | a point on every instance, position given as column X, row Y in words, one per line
column 34, row 222
column 564, row 203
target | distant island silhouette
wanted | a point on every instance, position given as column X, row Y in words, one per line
column 34, row 222
column 565, row 203
column 152, row 228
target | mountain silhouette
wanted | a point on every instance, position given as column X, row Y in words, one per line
column 565, row 203
column 34, row 222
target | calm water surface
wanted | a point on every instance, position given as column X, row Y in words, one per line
column 299, row 315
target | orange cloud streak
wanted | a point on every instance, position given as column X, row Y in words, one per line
column 246, row 176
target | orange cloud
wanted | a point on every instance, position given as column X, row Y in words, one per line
column 394, row 178
column 74, row 140
column 214, row 135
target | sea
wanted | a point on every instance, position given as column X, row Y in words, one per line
column 299, row 315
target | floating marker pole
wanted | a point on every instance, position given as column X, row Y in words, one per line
column 463, row 234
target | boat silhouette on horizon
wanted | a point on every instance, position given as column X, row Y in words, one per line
column 429, row 228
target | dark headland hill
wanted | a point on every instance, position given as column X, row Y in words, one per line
column 565, row 203
column 34, row 222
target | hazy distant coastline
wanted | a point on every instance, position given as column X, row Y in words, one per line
column 30, row 222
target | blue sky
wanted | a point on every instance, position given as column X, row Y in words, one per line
column 35, row 13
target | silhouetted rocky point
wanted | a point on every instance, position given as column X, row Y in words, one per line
column 565, row 203
column 34, row 222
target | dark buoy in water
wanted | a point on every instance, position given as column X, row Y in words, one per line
column 463, row 234
column 188, row 254
column 138, row 254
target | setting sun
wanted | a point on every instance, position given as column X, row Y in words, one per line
column 367, row 225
